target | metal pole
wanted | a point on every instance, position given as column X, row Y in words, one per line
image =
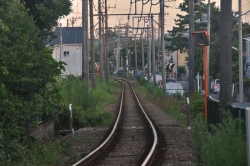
column 163, row 47
column 100, row 41
column 153, row 49
column 208, row 47
column 142, row 54
column 135, row 58
column 92, row 45
column 61, row 50
column 84, row 37
column 159, row 41
column 191, row 47
column 205, row 81
column 127, row 50
column 149, row 51
column 106, row 44
column 241, row 95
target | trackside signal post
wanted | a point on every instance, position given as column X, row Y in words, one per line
column 201, row 38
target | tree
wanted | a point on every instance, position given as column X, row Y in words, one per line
column 28, row 77
column 179, row 35
column 45, row 13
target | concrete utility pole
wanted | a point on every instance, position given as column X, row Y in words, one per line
column 135, row 58
column 84, row 38
column 148, row 52
column 106, row 44
column 100, row 41
column 119, row 59
column 225, row 56
column 191, row 48
column 153, row 49
column 159, row 41
column 92, row 45
column 142, row 54
column 208, row 47
column 127, row 50
column 163, row 47
column 61, row 50
column 241, row 95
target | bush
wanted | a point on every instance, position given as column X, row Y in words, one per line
column 224, row 145
column 87, row 104
column 196, row 104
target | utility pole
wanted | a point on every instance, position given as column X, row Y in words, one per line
column 148, row 53
column 127, row 50
column 61, row 50
column 225, row 56
column 84, row 38
column 92, row 45
column 100, row 41
column 142, row 54
column 159, row 41
column 153, row 49
column 241, row 95
column 106, row 44
column 208, row 47
column 191, row 47
column 119, row 56
column 163, row 46
column 135, row 58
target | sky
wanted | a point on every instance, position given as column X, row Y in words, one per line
column 124, row 7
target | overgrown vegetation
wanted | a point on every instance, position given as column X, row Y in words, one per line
column 172, row 106
column 87, row 111
column 223, row 144
column 87, row 104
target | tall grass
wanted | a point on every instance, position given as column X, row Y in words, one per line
column 225, row 144
column 172, row 106
column 87, row 103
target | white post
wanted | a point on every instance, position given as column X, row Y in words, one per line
column 248, row 134
column 71, row 119
column 198, row 78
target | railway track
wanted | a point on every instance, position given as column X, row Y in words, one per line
column 132, row 140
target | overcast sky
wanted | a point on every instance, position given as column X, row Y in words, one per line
column 123, row 6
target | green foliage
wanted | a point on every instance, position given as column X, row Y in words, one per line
column 224, row 145
column 27, row 86
column 196, row 104
column 181, row 69
column 87, row 104
column 45, row 13
column 246, row 81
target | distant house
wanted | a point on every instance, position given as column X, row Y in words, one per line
column 71, row 50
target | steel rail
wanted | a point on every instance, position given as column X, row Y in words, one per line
column 149, row 157
column 97, row 150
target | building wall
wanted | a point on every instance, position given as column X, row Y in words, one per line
column 72, row 56
column 181, row 61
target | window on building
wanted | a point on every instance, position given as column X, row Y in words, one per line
column 65, row 53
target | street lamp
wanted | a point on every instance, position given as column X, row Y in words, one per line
column 201, row 38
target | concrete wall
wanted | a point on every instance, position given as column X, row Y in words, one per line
column 43, row 130
column 73, row 59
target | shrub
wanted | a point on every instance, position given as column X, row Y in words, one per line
column 196, row 104
column 224, row 145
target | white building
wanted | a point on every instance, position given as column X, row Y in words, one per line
column 71, row 50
